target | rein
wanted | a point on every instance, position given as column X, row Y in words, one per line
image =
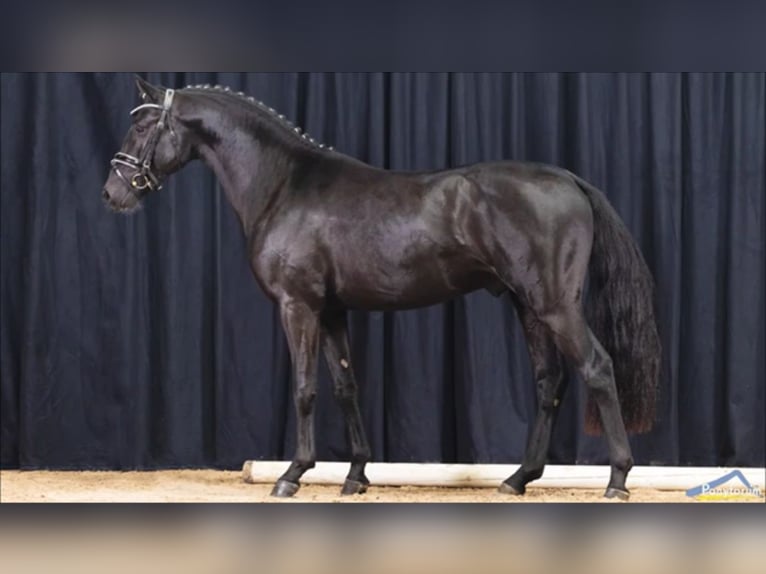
column 144, row 177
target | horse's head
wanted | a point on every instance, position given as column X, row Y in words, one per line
column 156, row 145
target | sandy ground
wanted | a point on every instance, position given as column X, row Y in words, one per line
column 223, row 486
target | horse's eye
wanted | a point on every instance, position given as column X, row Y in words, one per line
column 140, row 129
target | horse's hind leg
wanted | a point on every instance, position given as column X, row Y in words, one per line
column 551, row 384
column 337, row 353
column 578, row 344
column 301, row 324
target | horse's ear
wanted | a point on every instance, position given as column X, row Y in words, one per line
column 147, row 91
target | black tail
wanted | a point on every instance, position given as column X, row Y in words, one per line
column 621, row 315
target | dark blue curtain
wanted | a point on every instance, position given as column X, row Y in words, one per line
column 144, row 341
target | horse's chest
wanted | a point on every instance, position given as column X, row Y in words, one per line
column 289, row 264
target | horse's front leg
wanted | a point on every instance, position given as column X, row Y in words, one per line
column 338, row 355
column 301, row 324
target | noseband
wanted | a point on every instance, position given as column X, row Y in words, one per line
column 144, row 178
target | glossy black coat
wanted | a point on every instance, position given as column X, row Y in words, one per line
column 327, row 233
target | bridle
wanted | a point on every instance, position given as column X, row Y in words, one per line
column 144, row 177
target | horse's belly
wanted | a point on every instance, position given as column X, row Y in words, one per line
column 379, row 285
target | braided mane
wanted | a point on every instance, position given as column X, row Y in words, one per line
column 298, row 132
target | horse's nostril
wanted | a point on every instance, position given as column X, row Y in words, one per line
column 105, row 194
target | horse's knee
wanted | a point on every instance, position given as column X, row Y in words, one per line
column 304, row 399
column 547, row 396
column 345, row 391
column 549, row 387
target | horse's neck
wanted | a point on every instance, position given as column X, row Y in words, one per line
column 248, row 175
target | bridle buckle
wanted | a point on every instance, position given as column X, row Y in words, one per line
column 139, row 182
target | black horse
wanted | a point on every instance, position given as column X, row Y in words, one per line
column 327, row 233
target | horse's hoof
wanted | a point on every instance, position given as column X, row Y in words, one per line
column 284, row 489
column 353, row 487
column 617, row 493
column 506, row 488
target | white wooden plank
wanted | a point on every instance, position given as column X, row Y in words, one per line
column 491, row 475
